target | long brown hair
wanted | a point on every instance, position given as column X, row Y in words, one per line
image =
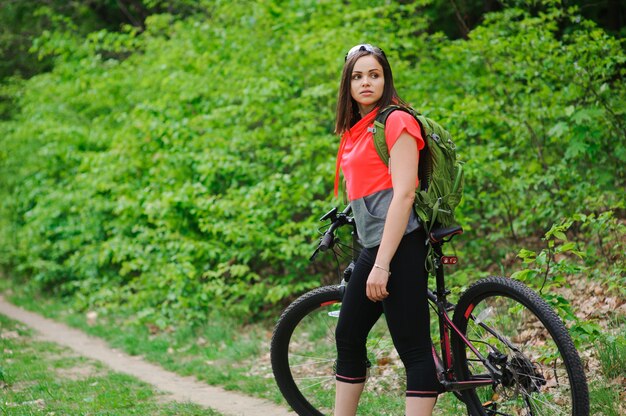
column 347, row 108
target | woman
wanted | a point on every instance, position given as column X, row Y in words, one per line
column 389, row 275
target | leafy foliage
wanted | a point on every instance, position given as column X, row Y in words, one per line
column 182, row 168
column 24, row 21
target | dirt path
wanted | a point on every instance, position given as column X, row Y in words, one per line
column 180, row 388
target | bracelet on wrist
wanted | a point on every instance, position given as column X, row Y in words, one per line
column 382, row 268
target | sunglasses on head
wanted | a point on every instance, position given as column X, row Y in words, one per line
column 364, row 47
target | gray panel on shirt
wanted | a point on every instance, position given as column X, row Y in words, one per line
column 370, row 213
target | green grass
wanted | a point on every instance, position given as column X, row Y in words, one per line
column 42, row 378
column 604, row 400
column 221, row 352
column 612, row 352
column 224, row 352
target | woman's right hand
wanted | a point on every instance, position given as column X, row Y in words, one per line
column 376, row 286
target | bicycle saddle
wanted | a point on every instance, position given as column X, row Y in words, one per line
column 447, row 233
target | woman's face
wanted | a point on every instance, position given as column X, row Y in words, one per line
column 367, row 83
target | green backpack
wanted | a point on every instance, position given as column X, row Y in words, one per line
column 440, row 173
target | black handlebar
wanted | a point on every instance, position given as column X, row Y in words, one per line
column 337, row 220
column 327, row 240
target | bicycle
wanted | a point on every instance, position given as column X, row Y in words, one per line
column 503, row 352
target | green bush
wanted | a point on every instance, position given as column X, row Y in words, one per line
column 182, row 169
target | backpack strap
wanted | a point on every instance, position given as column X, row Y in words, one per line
column 380, row 143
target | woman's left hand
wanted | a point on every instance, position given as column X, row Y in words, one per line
column 376, row 287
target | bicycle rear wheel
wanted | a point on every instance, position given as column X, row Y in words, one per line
column 303, row 353
column 517, row 332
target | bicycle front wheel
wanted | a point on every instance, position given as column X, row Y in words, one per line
column 303, row 353
column 519, row 334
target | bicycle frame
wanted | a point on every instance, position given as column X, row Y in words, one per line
column 444, row 364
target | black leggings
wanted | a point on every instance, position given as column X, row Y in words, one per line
column 406, row 311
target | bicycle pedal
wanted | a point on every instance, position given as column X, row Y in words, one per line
column 491, row 407
column 449, row 259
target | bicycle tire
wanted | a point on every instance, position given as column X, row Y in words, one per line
column 303, row 353
column 542, row 374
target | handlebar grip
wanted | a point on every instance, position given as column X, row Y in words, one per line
column 327, row 241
